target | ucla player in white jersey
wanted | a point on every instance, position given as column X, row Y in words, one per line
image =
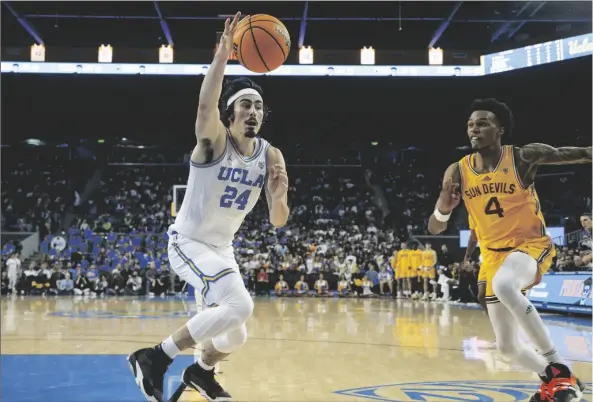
column 230, row 166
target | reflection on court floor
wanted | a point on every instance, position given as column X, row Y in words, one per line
column 74, row 349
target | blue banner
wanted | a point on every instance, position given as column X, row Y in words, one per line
column 541, row 53
column 563, row 291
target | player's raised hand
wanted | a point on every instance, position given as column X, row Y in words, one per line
column 449, row 198
column 278, row 181
column 226, row 40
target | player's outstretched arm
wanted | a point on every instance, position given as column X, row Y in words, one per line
column 208, row 125
column 543, row 154
column 447, row 202
column 277, row 188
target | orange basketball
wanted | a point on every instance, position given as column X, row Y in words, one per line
column 261, row 43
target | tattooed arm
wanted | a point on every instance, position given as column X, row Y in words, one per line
column 543, row 154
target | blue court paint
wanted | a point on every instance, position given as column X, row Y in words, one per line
column 77, row 378
column 453, row 391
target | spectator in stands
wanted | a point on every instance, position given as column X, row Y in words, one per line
column 133, row 284
column 343, row 287
column 117, row 284
column 372, row 276
column 56, row 275
column 281, row 287
column 81, row 283
column 367, row 288
column 301, row 287
column 263, row 282
column 40, row 284
column 321, row 287
column 65, row 286
column 446, row 281
column 92, row 276
column 385, row 278
column 585, row 246
column 101, row 285
column 157, row 285
column 27, row 278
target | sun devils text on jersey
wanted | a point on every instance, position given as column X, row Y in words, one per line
column 505, row 214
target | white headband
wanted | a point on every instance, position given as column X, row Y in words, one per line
column 246, row 91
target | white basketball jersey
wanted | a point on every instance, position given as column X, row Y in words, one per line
column 220, row 194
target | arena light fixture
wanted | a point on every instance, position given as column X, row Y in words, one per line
column 306, row 55
column 435, row 56
column 367, row 55
column 166, row 54
column 37, row 52
column 105, row 54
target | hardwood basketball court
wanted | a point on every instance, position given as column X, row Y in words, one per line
column 74, row 349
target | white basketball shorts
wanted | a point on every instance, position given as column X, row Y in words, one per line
column 210, row 271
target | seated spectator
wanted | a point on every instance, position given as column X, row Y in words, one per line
column 92, row 275
column 321, row 287
column 373, row 276
column 65, row 286
column 117, row 284
column 343, row 287
column 133, row 284
column 446, row 281
column 281, row 287
column 301, row 287
column 56, row 275
column 40, row 283
column 24, row 282
column 101, row 285
column 385, row 278
column 263, row 282
column 367, row 288
column 81, row 283
column 156, row 285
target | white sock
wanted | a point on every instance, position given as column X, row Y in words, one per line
column 552, row 356
column 204, row 365
column 170, row 348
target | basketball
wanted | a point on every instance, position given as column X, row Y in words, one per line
column 261, row 43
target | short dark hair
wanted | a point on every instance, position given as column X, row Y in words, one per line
column 230, row 88
column 499, row 109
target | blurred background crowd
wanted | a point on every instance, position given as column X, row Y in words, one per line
column 99, row 191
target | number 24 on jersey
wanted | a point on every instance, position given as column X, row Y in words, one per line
column 231, row 196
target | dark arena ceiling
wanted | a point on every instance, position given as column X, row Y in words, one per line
column 484, row 27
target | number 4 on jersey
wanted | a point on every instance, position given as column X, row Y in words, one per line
column 230, row 195
column 493, row 208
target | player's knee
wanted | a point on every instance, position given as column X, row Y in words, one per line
column 231, row 341
column 502, row 287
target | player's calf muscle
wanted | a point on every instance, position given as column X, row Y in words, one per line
column 183, row 338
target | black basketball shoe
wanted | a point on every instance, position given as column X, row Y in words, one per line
column 204, row 382
column 149, row 366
